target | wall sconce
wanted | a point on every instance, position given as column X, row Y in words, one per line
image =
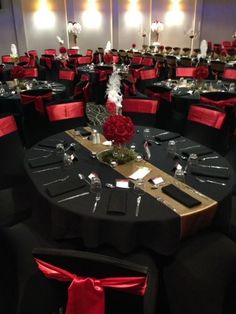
column 175, row 16
column 133, row 17
column 44, row 18
column 92, row 17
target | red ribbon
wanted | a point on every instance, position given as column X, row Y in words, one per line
column 85, row 77
column 48, row 61
column 140, row 105
column 86, row 295
column 65, row 111
column 7, row 125
column 84, row 60
column 219, row 103
column 229, row 74
column 148, row 74
column 7, row 59
column 137, row 60
column 147, row 61
column 207, row 116
column 185, row 72
column 30, row 72
column 66, row 75
column 38, row 100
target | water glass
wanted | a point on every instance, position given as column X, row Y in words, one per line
column 171, row 148
column 147, row 134
column 139, row 187
column 179, row 174
column 192, row 161
column 67, row 160
column 60, row 149
column 231, row 87
column 96, row 185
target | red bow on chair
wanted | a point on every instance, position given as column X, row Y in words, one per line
column 219, row 103
column 7, row 125
column 38, row 100
column 86, row 295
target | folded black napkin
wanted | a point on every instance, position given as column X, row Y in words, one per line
column 117, row 202
column 167, row 137
column 41, row 162
column 69, row 185
column 50, row 143
column 210, row 172
column 180, row 196
column 200, row 151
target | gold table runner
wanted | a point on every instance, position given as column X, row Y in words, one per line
column 192, row 219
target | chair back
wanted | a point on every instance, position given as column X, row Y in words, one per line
column 136, row 59
column 24, row 59
column 12, row 152
column 207, row 125
column 90, row 271
column 68, row 75
column 89, row 52
column 30, row 72
column 38, row 97
column 148, row 74
column 141, row 111
column 185, row 61
column 147, row 61
column 6, row 59
column 33, row 53
column 184, row 71
column 229, row 74
column 71, row 51
column 50, row 52
column 115, row 59
column 84, row 60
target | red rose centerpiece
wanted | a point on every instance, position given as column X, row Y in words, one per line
column 120, row 130
column 200, row 73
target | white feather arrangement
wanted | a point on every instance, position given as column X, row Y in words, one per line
column 14, row 53
column 108, row 47
column 113, row 90
column 60, row 40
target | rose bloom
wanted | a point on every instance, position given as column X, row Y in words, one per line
column 133, row 45
column 119, row 129
column 201, row 73
column 62, row 50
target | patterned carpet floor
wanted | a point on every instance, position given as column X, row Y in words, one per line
column 96, row 114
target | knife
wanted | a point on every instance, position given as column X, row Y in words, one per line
column 211, row 166
column 72, row 197
column 163, row 133
column 46, row 169
column 137, row 206
column 189, row 147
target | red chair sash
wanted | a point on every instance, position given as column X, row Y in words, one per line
column 33, row 53
column 72, row 51
column 137, row 60
column 7, row 125
column 103, row 74
column 38, row 100
column 135, row 73
column 148, row 74
column 147, row 61
column 140, row 105
column 89, row 52
column 25, row 59
column 30, row 72
column 219, row 103
column 185, row 72
column 229, row 74
column 86, row 295
column 207, row 116
column 66, row 75
column 84, row 77
column 84, row 60
column 50, row 52
column 115, row 59
column 108, row 58
column 7, row 59
column 65, row 111
column 165, row 95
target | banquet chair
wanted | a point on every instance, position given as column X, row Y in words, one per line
column 217, row 68
column 50, row 52
column 142, row 111
column 65, row 115
column 147, row 77
column 185, row 61
column 67, row 78
column 171, row 63
column 33, row 119
column 184, row 71
column 71, row 51
column 113, row 274
column 147, row 61
column 176, row 51
column 14, row 187
column 7, row 59
column 84, row 60
column 208, row 126
column 31, row 72
column 229, row 74
column 24, row 60
column 33, row 53
column 201, row 276
column 89, row 52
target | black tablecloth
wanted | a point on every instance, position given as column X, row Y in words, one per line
column 157, row 227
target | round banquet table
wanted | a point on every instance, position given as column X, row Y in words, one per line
column 160, row 225
column 10, row 101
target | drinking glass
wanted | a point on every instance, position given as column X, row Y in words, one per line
column 139, row 186
column 147, row 134
column 171, row 148
column 96, row 188
column 231, row 87
column 67, row 160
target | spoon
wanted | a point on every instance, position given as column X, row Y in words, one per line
column 72, row 145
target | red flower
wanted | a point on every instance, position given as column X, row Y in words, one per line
column 133, row 45
column 62, row 50
column 17, row 72
column 119, row 129
column 201, row 72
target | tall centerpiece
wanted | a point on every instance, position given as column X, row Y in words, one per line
column 200, row 73
column 74, row 28
column 156, row 28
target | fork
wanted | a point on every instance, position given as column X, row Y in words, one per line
column 97, row 199
column 55, row 181
column 209, row 181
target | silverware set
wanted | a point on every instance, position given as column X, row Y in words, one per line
column 209, row 181
column 55, row 181
column 72, row 197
